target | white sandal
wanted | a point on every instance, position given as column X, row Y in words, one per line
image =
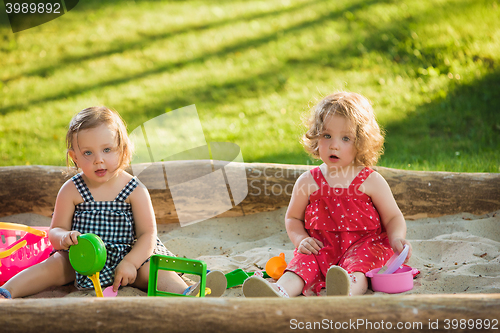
column 338, row 282
column 216, row 284
column 256, row 286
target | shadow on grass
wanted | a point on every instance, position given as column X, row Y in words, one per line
column 465, row 124
column 147, row 38
column 258, row 84
column 395, row 40
column 225, row 50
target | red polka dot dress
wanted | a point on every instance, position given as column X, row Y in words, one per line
column 347, row 223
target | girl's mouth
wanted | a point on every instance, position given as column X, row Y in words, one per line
column 334, row 158
column 101, row 172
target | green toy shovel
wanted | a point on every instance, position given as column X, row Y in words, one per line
column 88, row 257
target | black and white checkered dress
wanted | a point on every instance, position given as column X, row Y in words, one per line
column 113, row 222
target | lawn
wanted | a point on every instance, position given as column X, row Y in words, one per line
column 252, row 68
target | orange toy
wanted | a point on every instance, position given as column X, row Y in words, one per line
column 276, row 266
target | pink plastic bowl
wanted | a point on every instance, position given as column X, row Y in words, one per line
column 399, row 281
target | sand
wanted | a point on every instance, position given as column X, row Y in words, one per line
column 455, row 254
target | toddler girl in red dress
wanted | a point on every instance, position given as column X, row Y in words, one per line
column 342, row 217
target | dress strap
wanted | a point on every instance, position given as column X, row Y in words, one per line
column 82, row 188
column 361, row 177
column 127, row 190
column 319, row 177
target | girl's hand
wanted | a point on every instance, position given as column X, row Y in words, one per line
column 398, row 245
column 125, row 274
column 68, row 239
column 309, row 245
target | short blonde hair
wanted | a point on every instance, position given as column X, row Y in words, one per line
column 369, row 137
column 94, row 117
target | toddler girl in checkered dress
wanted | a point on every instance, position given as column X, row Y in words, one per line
column 342, row 217
column 105, row 200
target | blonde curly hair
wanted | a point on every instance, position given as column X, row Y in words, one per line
column 355, row 107
column 94, row 117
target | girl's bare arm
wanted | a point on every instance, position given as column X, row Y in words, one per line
column 390, row 214
column 145, row 229
column 294, row 218
column 61, row 236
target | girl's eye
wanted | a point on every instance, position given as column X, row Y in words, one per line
column 107, row 150
column 327, row 136
column 346, row 139
column 87, row 153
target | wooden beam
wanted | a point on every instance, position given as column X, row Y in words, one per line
column 422, row 313
column 443, row 193
column 33, row 189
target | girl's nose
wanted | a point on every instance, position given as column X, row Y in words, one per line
column 98, row 158
column 334, row 144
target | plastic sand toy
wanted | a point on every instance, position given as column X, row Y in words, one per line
column 395, row 262
column 393, row 278
column 21, row 247
column 276, row 266
column 238, row 276
column 88, row 257
column 181, row 265
column 399, row 281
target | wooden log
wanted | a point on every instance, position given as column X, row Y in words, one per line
column 443, row 193
column 33, row 189
column 30, row 189
column 412, row 313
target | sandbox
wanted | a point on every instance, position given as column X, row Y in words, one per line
column 452, row 219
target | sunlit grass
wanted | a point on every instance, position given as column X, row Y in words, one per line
column 253, row 68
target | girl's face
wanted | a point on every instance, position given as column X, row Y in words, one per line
column 96, row 153
column 337, row 142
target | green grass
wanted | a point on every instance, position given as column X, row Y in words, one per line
column 431, row 69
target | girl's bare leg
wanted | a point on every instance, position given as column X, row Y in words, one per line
column 289, row 285
column 168, row 281
column 292, row 283
column 360, row 285
column 341, row 283
column 54, row 271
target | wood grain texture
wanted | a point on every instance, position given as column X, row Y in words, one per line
column 33, row 189
column 178, row 314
